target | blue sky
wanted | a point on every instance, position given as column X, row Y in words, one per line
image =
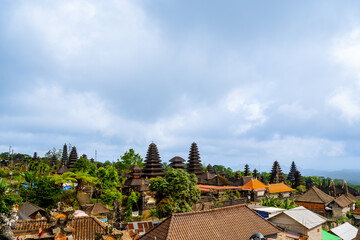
column 249, row 81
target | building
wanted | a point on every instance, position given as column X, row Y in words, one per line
column 31, row 211
column 234, row 222
column 345, row 231
column 256, row 188
column 61, row 227
column 340, row 206
column 314, row 199
column 301, row 221
column 280, row 190
column 266, row 212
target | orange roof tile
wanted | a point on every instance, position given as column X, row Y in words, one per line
column 255, row 184
column 279, row 188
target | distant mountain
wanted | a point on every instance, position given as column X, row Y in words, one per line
column 350, row 175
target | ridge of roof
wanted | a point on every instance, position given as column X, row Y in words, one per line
column 342, row 201
column 315, row 195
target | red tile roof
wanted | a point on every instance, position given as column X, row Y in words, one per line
column 234, row 222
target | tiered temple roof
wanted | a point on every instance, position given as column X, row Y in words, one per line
column 53, row 160
column 136, row 180
column 73, row 157
column 194, row 163
column 177, row 162
column 153, row 165
column 64, row 158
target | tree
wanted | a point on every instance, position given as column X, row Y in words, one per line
column 110, row 195
column 81, row 165
column 108, row 177
column 7, row 197
column 175, row 192
column 43, row 192
column 132, row 202
column 129, row 159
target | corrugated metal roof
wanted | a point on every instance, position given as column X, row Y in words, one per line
column 305, row 217
column 345, row 231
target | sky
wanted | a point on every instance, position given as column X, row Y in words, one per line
column 248, row 81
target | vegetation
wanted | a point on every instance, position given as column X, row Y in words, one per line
column 176, row 192
column 7, row 197
column 129, row 159
column 275, row 202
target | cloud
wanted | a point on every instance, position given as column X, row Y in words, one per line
column 345, row 98
column 346, row 50
column 347, row 101
column 88, row 34
column 296, row 110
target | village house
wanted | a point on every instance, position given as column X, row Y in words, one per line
column 234, row 222
column 30, row 211
column 280, row 190
column 301, row 221
column 255, row 188
column 340, row 206
column 315, row 199
column 62, row 226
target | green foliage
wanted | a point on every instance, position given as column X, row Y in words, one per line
column 219, row 168
column 217, row 204
column 129, row 159
column 132, row 202
column 7, row 197
column 81, row 165
column 154, row 213
column 108, row 177
column 301, row 189
column 69, row 198
column 342, row 220
column 275, row 202
column 176, row 192
column 357, row 203
column 44, row 192
column 110, row 195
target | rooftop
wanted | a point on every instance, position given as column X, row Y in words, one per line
column 235, row 222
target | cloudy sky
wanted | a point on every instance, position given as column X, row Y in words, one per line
column 249, row 81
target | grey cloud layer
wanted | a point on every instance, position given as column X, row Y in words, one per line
column 113, row 75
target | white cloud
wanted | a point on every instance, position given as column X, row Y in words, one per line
column 345, row 98
column 347, row 102
column 296, row 110
column 88, row 33
column 347, row 50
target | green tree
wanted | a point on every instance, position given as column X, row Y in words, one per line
column 81, row 165
column 7, row 197
column 110, row 195
column 174, row 193
column 129, row 159
column 44, row 192
column 132, row 202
